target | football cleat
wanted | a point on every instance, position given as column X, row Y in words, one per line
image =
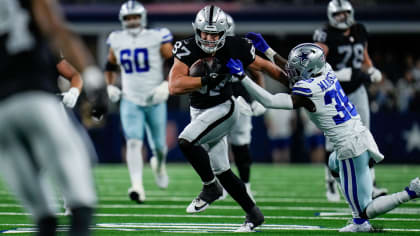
column 252, row 220
column 378, row 192
column 208, row 195
column 333, row 195
column 161, row 177
column 414, row 189
column 138, row 195
column 354, row 228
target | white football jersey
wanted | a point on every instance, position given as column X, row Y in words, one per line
column 336, row 116
column 140, row 61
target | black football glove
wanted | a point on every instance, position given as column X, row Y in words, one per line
column 213, row 79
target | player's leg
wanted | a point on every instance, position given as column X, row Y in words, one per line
column 233, row 185
column 133, row 122
column 240, row 138
column 360, row 100
column 357, row 188
column 156, row 120
column 207, row 126
column 332, row 193
column 68, row 162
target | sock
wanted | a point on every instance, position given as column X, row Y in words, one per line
column 198, row 158
column 386, row 203
column 372, row 173
column 161, row 157
column 47, row 226
column 135, row 162
column 236, row 188
column 80, row 221
column 243, row 161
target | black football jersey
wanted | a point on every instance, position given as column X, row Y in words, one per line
column 235, row 47
column 26, row 62
column 344, row 51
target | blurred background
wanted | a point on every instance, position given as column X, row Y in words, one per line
column 277, row 136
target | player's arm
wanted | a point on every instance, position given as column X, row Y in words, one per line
column 166, row 50
column 278, row 101
column 258, row 78
column 180, row 82
column 374, row 74
column 71, row 74
column 271, row 69
column 111, row 69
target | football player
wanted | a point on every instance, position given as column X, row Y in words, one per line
column 213, row 111
column 139, row 53
column 37, row 139
column 239, row 137
column 316, row 88
column 345, row 43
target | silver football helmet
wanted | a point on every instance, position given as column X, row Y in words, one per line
column 337, row 6
column 305, row 61
column 231, row 26
column 133, row 7
column 212, row 20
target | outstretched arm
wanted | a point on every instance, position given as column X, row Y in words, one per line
column 262, row 46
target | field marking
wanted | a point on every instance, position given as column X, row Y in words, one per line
column 219, row 216
column 181, row 227
column 320, row 211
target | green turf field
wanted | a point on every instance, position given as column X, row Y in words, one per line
column 292, row 197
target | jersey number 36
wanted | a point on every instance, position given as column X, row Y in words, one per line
column 344, row 107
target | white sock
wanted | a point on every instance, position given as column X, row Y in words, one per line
column 386, row 203
column 372, row 173
column 328, row 176
column 135, row 162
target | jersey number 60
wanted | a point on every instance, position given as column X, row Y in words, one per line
column 139, row 56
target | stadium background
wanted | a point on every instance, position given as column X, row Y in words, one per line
column 393, row 26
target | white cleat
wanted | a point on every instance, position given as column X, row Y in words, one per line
column 138, row 195
column 378, row 192
column 248, row 227
column 208, row 195
column 354, row 228
column 248, row 190
column 161, row 177
column 414, row 188
column 333, row 195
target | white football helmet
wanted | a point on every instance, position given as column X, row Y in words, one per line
column 338, row 6
column 305, row 61
column 133, row 7
column 213, row 20
column 231, row 26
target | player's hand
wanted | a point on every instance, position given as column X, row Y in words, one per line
column 114, row 93
column 236, row 68
column 375, row 75
column 160, row 93
column 213, row 79
column 70, row 97
column 259, row 42
column 257, row 108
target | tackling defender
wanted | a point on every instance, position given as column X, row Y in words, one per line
column 315, row 87
column 139, row 53
column 345, row 45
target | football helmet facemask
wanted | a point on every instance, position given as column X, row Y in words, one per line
column 131, row 8
column 335, row 8
column 306, row 60
column 211, row 20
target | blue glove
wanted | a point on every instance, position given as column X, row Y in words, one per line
column 259, row 43
column 236, row 68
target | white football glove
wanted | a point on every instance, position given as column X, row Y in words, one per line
column 243, row 106
column 257, row 108
column 160, row 93
column 114, row 93
column 70, row 97
column 375, row 75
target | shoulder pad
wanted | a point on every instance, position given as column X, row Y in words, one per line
column 320, row 35
column 165, row 34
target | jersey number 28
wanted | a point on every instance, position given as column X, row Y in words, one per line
column 139, row 56
column 343, row 106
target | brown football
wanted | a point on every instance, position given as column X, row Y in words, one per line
column 205, row 66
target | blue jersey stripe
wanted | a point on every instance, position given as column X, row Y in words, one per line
column 301, row 94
